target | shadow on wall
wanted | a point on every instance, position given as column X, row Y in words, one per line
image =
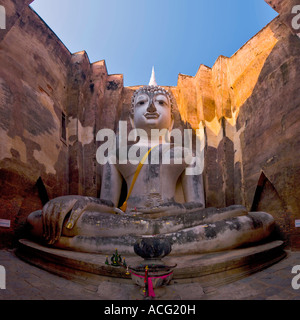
column 270, row 142
column 13, row 208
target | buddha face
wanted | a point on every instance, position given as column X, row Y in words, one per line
column 152, row 110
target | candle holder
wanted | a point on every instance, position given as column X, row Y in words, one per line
column 152, row 249
column 152, row 272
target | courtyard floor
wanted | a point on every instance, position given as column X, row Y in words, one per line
column 27, row 282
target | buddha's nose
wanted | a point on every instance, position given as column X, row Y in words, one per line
column 151, row 107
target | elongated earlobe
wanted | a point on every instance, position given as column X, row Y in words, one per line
column 132, row 121
column 172, row 124
column 133, row 126
column 168, row 134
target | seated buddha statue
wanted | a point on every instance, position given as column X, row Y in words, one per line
column 151, row 208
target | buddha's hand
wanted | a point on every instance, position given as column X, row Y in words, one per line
column 53, row 215
column 56, row 210
column 88, row 203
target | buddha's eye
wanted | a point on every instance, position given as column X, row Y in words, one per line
column 141, row 103
column 161, row 102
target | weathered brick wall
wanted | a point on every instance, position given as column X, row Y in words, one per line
column 39, row 81
column 33, row 92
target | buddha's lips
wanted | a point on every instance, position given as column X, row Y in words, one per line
column 154, row 115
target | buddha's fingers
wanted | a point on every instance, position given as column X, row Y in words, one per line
column 76, row 212
column 47, row 212
column 64, row 209
column 51, row 224
column 44, row 210
column 57, row 218
column 59, row 225
column 85, row 204
column 53, row 215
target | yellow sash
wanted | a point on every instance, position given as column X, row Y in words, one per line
column 136, row 174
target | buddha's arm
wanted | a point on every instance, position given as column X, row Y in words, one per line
column 109, row 198
column 56, row 210
column 111, row 184
column 193, row 189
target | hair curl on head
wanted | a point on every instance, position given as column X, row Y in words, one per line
column 154, row 90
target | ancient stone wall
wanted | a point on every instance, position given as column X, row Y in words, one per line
column 33, row 93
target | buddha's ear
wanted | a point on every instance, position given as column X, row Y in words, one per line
column 168, row 134
column 131, row 120
column 172, row 124
column 133, row 126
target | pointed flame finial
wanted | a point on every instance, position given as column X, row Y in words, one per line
column 152, row 81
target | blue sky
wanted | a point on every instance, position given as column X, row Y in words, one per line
column 174, row 36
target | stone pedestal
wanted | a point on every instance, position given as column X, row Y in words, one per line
column 213, row 269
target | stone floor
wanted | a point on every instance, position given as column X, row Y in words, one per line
column 26, row 282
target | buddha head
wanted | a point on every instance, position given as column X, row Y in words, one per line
column 152, row 108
